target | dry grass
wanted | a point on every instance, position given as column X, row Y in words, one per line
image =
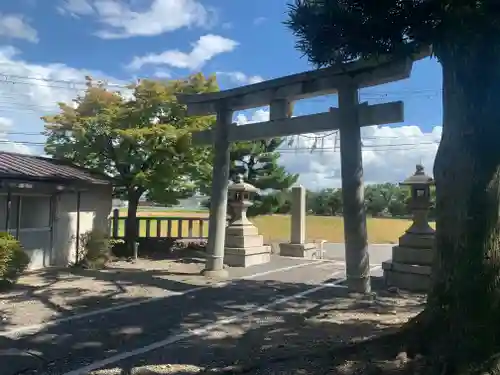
column 274, row 228
column 330, row 228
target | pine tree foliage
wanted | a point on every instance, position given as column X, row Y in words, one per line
column 259, row 162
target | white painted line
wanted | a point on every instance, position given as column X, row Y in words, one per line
column 330, row 265
column 254, row 275
column 370, row 244
column 190, row 333
column 25, row 330
column 336, row 283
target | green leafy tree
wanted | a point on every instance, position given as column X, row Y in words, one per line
column 258, row 161
column 325, row 202
column 141, row 140
column 459, row 329
column 398, row 206
column 334, row 201
column 375, row 202
column 378, row 198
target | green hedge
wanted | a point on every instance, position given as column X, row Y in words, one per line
column 13, row 259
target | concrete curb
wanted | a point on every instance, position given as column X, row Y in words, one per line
column 371, row 244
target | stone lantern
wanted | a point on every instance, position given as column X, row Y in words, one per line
column 410, row 267
column 244, row 246
column 419, row 205
column 239, row 198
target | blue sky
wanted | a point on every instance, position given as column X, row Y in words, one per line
column 47, row 47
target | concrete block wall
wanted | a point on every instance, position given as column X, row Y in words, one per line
column 95, row 209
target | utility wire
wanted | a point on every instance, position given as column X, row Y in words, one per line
column 24, row 79
column 383, row 147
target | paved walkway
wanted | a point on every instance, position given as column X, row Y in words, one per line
column 378, row 253
column 164, row 328
column 65, row 345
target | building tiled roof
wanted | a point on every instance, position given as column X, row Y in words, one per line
column 38, row 168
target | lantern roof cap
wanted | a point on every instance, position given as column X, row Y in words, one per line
column 419, row 177
column 240, row 185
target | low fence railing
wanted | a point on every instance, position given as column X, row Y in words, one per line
column 189, row 228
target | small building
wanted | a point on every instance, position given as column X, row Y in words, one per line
column 48, row 204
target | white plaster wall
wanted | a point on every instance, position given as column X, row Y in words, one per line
column 95, row 209
column 34, row 232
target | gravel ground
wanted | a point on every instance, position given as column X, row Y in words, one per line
column 314, row 323
column 41, row 296
column 68, row 345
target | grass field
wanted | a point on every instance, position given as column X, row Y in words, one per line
column 276, row 228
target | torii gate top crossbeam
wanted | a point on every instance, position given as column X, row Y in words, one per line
column 299, row 86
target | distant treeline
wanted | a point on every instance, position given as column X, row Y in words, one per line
column 381, row 200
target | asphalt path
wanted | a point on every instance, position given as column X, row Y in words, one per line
column 377, row 253
column 72, row 345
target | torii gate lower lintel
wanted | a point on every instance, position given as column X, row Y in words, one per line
column 280, row 94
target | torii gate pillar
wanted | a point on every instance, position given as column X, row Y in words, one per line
column 214, row 266
column 351, row 162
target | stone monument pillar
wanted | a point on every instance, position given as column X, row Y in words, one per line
column 297, row 246
column 244, row 246
column 410, row 267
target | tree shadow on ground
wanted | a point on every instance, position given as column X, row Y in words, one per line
column 213, row 327
column 60, row 294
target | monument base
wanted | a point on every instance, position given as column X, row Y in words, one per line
column 412, row 255
column 417, row 240
column 303, row 250
column 248, row 256
column 411, row 277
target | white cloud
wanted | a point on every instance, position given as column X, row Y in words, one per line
column 390, row 153
column 240, row 78
column 17, row 27
column 29, row 91
column 259, row 20
column 204, row 49
column 11, row 146
column 76, row 8
column 163, row 74
column 123, row 20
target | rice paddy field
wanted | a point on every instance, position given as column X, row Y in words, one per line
column 274, row 228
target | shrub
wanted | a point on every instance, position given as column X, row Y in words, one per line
column 95, row 249
column 13, row 259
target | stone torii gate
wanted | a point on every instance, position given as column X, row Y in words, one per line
column 279, row 94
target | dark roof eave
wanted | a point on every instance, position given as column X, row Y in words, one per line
column 61, row 181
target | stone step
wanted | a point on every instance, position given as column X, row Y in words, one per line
column 411, row 277
column 246, row 257
column 306, row 250
column 412, row 282
column 406, row 268
column 411, row 255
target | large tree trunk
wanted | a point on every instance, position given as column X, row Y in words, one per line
column 463, row 308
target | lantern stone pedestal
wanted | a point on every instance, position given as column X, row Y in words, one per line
column 297, row 246
column 410, row 267
column 244, row 246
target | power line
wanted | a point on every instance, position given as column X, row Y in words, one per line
column 21, row 133
column 22, row 142
column 7, row 75
column 383, row 147
column 11, row 78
